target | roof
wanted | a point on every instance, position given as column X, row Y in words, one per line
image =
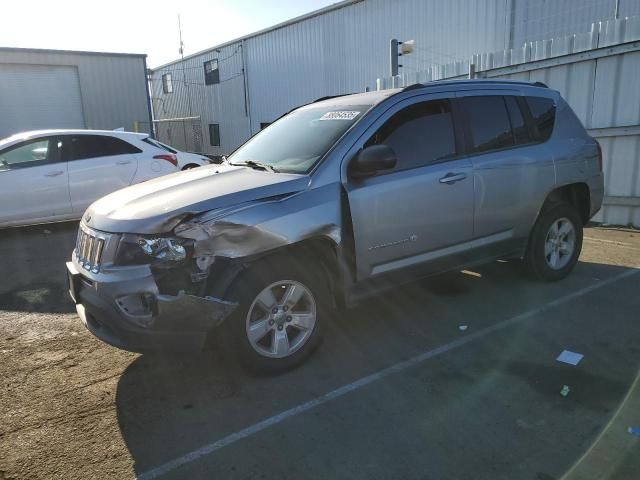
column 63, row 131
column 301, row 18
column 375, row 97
column 69, row 52
column 366, row 98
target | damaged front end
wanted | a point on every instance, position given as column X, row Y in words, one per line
column 169, row 291
column 143, row 293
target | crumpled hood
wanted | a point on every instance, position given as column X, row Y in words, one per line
column 156, row 206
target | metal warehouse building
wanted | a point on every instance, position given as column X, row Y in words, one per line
column 66, row 89
column 230, row 91
column 240, row 85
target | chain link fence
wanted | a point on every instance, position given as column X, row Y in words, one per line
column 181, row 133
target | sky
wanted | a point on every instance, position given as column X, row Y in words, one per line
column 141, row 26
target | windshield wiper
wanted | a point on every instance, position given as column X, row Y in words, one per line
column 256, row 165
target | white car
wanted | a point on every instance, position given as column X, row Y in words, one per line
column 186, row 160
column 54, row 175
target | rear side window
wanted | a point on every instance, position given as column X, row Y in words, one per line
column 420, row 134
column 117, row 146
column 489, row 123
column 89, row 146
column 543, row 113
column 518, row 125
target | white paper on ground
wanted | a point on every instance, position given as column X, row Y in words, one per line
column 572, row 358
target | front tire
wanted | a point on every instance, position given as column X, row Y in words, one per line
column 277, row 324
column 555, row 243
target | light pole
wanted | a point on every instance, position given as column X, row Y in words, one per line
column 396, row 50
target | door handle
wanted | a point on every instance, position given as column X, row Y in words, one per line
column 53, row 174
column 450, row 177
column 123, row 162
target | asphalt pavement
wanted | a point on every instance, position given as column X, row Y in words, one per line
column 454, row 377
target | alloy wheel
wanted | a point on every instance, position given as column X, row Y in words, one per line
column 281, row 319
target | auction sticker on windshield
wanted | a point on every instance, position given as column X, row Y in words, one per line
column 341, row 115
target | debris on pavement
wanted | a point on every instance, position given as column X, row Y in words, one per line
column 572, row 358
column 634, row 431
column 565, row 390
column 462, row 328
column 46, row 231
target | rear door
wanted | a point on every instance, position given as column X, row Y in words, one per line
column 508, row 168
column 33, row 182
column 98, row 165
column 423, row 208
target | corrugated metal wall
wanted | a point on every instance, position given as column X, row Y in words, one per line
column 344, row 47
column 39, row 97
column 541, row 19
column 600, row 84
column 222, row 103
column 113, row 86
column 343, row 50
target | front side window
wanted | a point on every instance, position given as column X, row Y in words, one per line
column 419, row 134
column 211, row 72
column 297, row 141
column 167, row 83
column 29, row 154
column 489, row 123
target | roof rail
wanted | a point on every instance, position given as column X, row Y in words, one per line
column 413, row 87
column 329, row 97
column 540, row 84
column 436, row 83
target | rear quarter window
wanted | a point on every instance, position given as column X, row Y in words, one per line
column 543, row 114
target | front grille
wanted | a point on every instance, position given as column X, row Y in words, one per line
column 89, row 248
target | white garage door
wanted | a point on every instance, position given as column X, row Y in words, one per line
column 39, row 96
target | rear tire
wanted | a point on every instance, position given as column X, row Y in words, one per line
column 555, row 243
column 277, row 324
column 190, row 166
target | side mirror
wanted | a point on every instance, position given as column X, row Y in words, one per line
column 371, row 160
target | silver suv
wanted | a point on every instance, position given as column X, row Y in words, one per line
column 331, row 203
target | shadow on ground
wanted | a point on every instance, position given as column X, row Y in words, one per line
column 168, row 406
column 34, row 277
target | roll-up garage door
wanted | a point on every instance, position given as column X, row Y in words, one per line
column 38, row 97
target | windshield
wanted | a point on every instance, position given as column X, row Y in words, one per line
column 297, row 141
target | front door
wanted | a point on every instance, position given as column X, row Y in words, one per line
column 34, row 184
column 423, row 208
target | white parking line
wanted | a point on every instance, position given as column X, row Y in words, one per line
column 369, row 379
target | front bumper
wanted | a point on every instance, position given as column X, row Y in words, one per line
column 124, row 308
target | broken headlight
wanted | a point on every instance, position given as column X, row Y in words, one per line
column 141, row 250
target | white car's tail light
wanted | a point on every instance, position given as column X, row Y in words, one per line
column 169, row 157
